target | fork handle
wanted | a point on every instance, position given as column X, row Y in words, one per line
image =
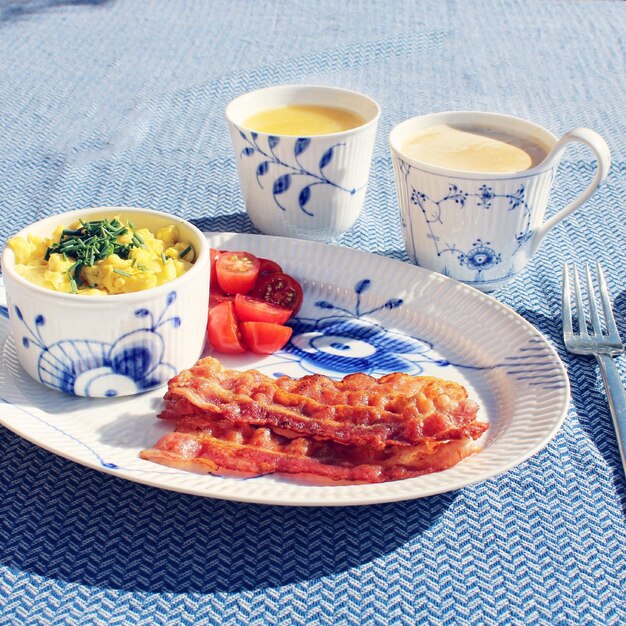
column 616, row 396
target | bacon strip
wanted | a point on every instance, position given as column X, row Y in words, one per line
column 213, row 445
column 396, row 409
column 359, row 429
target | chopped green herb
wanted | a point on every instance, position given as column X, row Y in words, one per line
column 72, row 282
column 187, row 250
column 122, row 272
column 142, row 268
column 138, row 241
column 163, row 258
column 93, row 241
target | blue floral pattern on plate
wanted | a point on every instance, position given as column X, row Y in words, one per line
column 349, row 341
column 83, row 367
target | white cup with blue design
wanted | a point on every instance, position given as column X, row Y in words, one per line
column 473, row 189
column 303, row 155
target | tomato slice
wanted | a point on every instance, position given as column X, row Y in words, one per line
column 237, row 271
column 214, row 254
column 280, row 289
column 254, row 310
column 217, row 296
column 269, row 267
column 222, row 329
column 265, row 337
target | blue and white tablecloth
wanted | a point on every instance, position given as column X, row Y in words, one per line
column 107, row 102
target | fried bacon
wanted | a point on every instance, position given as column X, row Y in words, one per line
column 359, row 429
column 396, row 409
column 216, row 446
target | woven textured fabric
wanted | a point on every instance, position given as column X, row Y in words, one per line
column 107, row 102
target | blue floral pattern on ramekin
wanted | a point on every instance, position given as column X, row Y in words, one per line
column 290, row 174
column 84, row 367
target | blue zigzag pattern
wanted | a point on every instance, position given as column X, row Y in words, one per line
column 141, row 124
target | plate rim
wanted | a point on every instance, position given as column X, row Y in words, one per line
column 316, row 501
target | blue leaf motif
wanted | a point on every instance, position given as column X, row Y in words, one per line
column 362, row 285
column 394, row 303
column 243, row 135
column 281, row 184
column 40, row 320
column 25, row 342
column 254, row 135
column 19, row 314
column 176, row 322
column 248, row 151
column 272, row 141
column 322, row 304
column 302, row 143
column 142, row 313
column 171, row 297
column 327, row 157
column 304, row 196
column 262, row 168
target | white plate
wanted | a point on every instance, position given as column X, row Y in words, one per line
column 361, row 312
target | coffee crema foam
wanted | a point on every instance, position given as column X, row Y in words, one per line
column 474, row 149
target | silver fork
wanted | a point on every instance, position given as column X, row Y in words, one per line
column 604, row 346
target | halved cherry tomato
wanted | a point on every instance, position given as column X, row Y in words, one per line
column 217, row 296
column 214, row 254
column 269, row 267
column 222, row 329
column 237, row 271
column 254, row 310
column 265, row 337
column 280, row 289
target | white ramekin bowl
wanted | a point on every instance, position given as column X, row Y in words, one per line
column 116, row 345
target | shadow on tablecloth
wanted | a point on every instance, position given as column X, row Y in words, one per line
column 239, row 222
column 587, row 395
column 18, row 9
column 62, row 521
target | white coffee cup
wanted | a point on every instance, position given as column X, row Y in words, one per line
column 308, row 187
column 482, row 228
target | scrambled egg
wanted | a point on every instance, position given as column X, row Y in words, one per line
column 157, row 261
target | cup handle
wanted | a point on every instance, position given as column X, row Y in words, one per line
column 603, row 159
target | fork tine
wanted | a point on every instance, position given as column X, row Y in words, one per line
column 580, row 308
column 566, row 305
column 611, row 326
column 591, row 299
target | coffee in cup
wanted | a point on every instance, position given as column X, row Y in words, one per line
column 473, row 189
column 472, row 148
